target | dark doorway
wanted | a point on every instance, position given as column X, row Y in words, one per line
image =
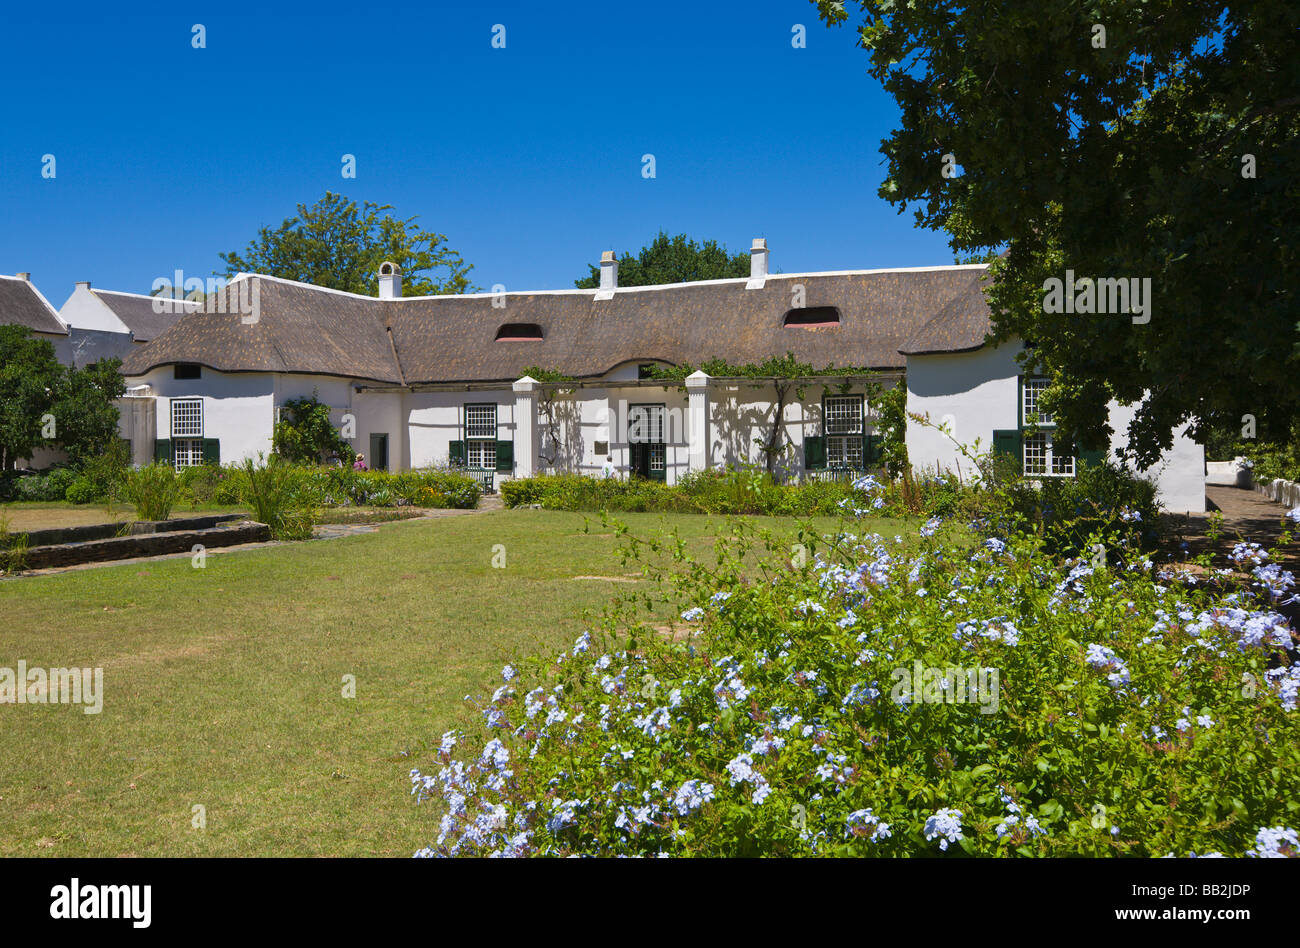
column 646, row 451
column 378, row 452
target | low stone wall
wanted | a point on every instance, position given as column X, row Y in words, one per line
column 106, row 531
column 1227, row 473
column 145, row 544
column 1284, row 492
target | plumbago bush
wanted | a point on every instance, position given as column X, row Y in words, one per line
column 964, row 695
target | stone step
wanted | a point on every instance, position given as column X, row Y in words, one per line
column 107, row 531
column 227, row 533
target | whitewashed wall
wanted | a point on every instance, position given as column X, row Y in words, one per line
column 976, row 393
column 1180, row 472
column 85, row 310
column 238, row 408
column 972, row 393
column 429, row 421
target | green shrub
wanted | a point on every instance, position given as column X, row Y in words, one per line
column 100, row 478
column 152, row 490
column 523, row 491
column 744, row 491
column 50, row 485
column 1100, row 500
column 281, row 496
column 201, row 484
column 1114, row 711
column 83, row 491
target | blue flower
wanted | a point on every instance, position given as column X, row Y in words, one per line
column 946, row 824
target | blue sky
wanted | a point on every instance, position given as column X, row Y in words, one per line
column 528, row 158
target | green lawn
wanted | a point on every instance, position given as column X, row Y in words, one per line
column 223, row 684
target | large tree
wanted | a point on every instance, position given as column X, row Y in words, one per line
column 83, row 407
column 29, row 376
column 1153, row 140
column 340, row 244
column 44, row 403
column 673, row 260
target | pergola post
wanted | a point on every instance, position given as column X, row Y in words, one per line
column 697, row 421
column 526, row 426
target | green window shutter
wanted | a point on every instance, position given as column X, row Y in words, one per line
column 874, row 448
column 456, row 453
column 814, row 452
column 211, row 451
column 1007, row 443
column 505, row 457
column 1020, row 403
column 1092, row 458
column 162, row 451
column 659, row 475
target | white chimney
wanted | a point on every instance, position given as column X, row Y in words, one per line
column 390, row 281
column 608, row 276
column 81, row 283
column 757, row 264
column 25, row 277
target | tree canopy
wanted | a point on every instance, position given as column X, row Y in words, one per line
column 44, row 403
column 673, row 260
column 340, row 244
column 305, row 435
column 1117, row 140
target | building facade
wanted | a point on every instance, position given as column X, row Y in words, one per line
column 418, row 382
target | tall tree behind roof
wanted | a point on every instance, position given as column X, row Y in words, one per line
column 339, row 244
column 673, row 260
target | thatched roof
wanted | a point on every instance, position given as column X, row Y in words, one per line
column 137, row 312
column 959, row 326
column 428, row 340
column 23, row 305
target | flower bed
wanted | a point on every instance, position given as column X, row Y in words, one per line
column 715, row 492
column 984, row 699
column 342, row 486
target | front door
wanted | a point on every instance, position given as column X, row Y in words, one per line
column 645, row 435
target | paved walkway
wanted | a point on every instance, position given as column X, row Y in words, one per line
column 1247, row 515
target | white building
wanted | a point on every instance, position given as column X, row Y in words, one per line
column 428, row 381
column 978, row 393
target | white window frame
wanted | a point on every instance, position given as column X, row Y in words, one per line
column 1037, row 434
column 1031, row 389
column 844, row 415
column 1040, row 446
column 480, row 446
column 481, row 455
column 477, row 428
column 183, row 413
column 187, row 452
column 844, row 451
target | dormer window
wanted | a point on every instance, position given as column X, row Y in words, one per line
column 813, row 317
column 519, row 332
